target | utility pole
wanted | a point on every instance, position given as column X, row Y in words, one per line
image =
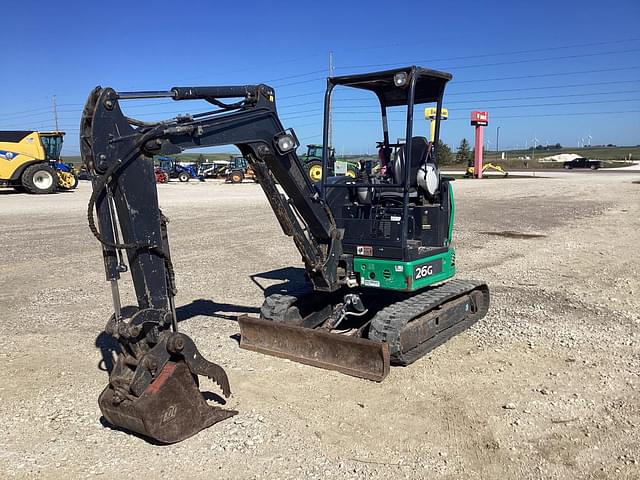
column 55, row 112
column 497, row 143
column 330, row 102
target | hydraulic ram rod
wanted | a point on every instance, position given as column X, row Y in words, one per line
column 193, row 93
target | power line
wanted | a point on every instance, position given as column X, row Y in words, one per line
column 571, row 114
column 294, row 76
column 44, row 110
column 301, row 82
column 366, row 109
column 532, row 60
column 542, row 75
column 563, row 114
column 307, row 94
column 542, row 88
column 374, row 109
column 540, row 97
column 299, row 95
column 290, row 115
column 488, row 107
column 496, row 54
column 511, row 62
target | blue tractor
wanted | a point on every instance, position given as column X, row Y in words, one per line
column 174, row 170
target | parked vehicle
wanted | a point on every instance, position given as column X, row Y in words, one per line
column 312, row 161
column 174, row 170
column 161, row 175
column 582, row 163
column 67, row 175
column 238, row 169
column 84, row 174
column 30, row 161
column 214, row 169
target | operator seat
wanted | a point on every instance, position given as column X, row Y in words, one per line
column 424, row 172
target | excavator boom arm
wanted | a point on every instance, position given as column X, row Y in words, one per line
column 122, row 149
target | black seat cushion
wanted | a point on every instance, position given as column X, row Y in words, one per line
column 419, row 150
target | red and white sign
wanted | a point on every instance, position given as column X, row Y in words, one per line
column 480, row 118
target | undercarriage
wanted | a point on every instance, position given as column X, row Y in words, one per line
column 395, row 329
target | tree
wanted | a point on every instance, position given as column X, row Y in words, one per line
column 443, row 153
column 473, row 155
column 463, row 155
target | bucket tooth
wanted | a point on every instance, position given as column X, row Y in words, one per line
column 351, row 355
column 169, row 410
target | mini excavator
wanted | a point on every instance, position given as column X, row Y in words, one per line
column 376, row 248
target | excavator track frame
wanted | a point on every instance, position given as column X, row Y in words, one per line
column 399, row 334
column 422, row 322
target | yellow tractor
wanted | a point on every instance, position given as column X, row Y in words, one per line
column 30, row 161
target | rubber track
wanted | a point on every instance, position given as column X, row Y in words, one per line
column 388, row 323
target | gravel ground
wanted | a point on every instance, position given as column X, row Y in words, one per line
column 546, row 386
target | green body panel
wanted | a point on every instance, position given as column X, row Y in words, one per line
column 405, row 276
column 452, row 211
column 401, row 276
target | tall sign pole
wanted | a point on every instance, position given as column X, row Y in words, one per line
column 479, row 120
column 430, row 113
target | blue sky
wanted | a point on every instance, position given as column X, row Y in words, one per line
column 556, row 71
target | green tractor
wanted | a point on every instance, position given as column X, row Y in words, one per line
column 312, row 161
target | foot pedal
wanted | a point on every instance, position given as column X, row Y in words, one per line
column 170, row 409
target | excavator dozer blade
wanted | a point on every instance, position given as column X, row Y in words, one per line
column 169, row 410
column 347, row 354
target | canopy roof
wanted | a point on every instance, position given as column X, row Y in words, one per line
column 429, row 85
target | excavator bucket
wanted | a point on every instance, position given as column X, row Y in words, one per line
column 157, row 394
column 169, row 410
column 347, row 354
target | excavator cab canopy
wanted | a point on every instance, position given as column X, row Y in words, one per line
column 393, row 87
column 400, row 87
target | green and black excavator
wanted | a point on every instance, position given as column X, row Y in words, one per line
column 376, row 249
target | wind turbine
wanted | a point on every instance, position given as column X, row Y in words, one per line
column 533, row 150
column 589, row 137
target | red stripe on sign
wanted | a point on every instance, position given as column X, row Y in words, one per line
column 166, row 372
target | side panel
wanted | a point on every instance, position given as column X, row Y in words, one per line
column 452, row 211
column 405, row 276
column 16, row 154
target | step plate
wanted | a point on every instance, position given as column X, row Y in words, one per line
column 346, row 354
